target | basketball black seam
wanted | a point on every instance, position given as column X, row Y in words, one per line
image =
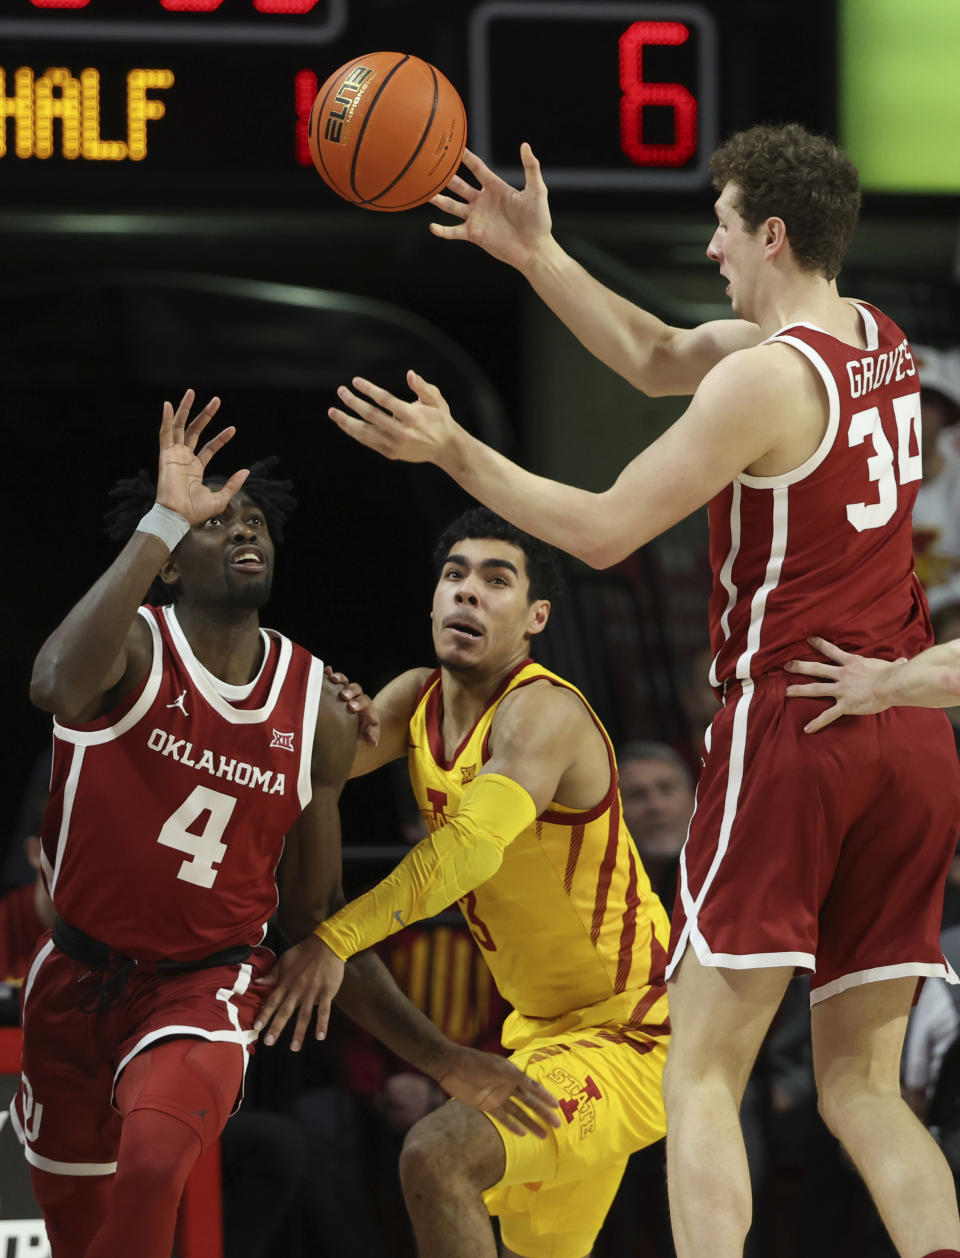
column 413, row 155
column 363, row 126
column 335, row 86
column 409, row 205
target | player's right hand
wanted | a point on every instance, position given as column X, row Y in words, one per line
column 493, row 1084
column 511, row 224
column 308, row 974
column 181, row 470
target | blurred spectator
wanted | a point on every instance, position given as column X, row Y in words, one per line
column 656, row 787
column 936, row 515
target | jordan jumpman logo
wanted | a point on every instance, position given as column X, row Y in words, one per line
column 178, row 703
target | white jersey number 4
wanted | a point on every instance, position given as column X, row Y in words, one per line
column 868, row 423
column 204, row 848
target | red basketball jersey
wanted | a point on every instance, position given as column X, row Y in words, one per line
column 167, row 817
column 826, row 548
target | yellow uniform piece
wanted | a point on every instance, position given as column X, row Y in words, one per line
column 576, row 941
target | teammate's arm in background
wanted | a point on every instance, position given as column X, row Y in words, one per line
column 102, row 649
column 514, row 226
column 310, row 887
column 860, row 685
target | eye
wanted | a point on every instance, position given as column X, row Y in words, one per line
column 256, row 518
column 498, row 580
column 214, row 522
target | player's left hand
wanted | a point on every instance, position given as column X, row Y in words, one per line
column 495, row 1085
column 306, row 975
column 352, row 694
column 415, row 432
column 850, row 681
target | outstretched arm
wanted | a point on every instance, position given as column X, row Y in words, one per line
column 102, row 646
column 514, row 226
column 860, row 685
column 711, row 443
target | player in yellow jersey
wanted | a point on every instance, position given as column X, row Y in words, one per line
column 517, row 781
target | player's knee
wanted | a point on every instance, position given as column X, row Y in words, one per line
column 430, row 1158
column 841, row 1100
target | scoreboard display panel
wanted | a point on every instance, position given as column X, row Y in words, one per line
column 173, row 103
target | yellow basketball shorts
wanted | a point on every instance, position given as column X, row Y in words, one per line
column 555, row 1193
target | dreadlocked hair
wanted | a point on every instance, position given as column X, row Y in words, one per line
column 135, row 495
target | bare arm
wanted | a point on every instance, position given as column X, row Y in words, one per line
column 860, row 686
column 514, row 226
column 102, row 648
column 715, row 439
column 395, row 704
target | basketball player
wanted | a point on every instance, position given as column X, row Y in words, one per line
column 517, row 782
column 191, row 749
column 831, row 853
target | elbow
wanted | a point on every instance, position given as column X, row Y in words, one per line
column 46, row 691
column 609, row 541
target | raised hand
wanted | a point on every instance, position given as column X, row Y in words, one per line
column 510, row 224
column 416, row 432
column 497, row 1087
column 850, row 681
column 307, row 975
column 180, row 475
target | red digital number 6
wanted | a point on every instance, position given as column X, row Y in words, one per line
column 638, row 95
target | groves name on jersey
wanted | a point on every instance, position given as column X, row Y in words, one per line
column 827, row 548
column 167, row 816
column 569, row 925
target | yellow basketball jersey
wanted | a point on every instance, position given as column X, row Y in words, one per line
column 569, row 925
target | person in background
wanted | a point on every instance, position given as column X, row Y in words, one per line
column 656, row 787
column 936, row 513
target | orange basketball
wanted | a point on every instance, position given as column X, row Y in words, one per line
column 387, row 131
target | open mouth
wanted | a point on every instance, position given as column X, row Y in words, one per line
column 464, row 627
column 248, row 559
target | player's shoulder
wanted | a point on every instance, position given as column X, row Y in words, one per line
column 757, row 374
column 543, row 698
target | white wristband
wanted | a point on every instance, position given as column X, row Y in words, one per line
column 168, row 525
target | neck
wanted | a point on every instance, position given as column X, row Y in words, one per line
column 801, row 297
column 226, row 640
column 467, row 693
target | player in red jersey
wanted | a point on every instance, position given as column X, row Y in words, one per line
column 831, row 853
column 192, row 750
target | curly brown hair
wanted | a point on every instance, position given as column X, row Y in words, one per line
column 786, row 172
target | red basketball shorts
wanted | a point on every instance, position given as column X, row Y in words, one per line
column 826, row 851
column 63, row 1111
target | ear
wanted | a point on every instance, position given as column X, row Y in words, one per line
column 169, row 574
column 774, row 236
column 539, row 614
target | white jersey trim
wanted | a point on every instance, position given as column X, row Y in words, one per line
column 38, row 960
column 91, row 738
column 48, row 1164
column 811, row 464
column 771, row 579
column 735, row 768
column 905, row 969
column 726, row 574
column 69, row 798
column 202, row 679
column 311, row 706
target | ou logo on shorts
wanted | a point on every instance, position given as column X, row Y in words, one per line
column 32, row 1111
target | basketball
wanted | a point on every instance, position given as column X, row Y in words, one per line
column 387, row 131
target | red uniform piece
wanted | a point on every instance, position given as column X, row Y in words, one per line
column 825, row 852
column 165, row 826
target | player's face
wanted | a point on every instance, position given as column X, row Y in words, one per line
column 227, row 561
column 482, row 614
column 737, row 251
column 657, row 803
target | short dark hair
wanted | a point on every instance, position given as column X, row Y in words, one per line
column 644, row 749
column 135, row 495
column 786, row 172
column 543, row 562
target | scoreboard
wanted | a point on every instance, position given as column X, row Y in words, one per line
column 174, row 103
